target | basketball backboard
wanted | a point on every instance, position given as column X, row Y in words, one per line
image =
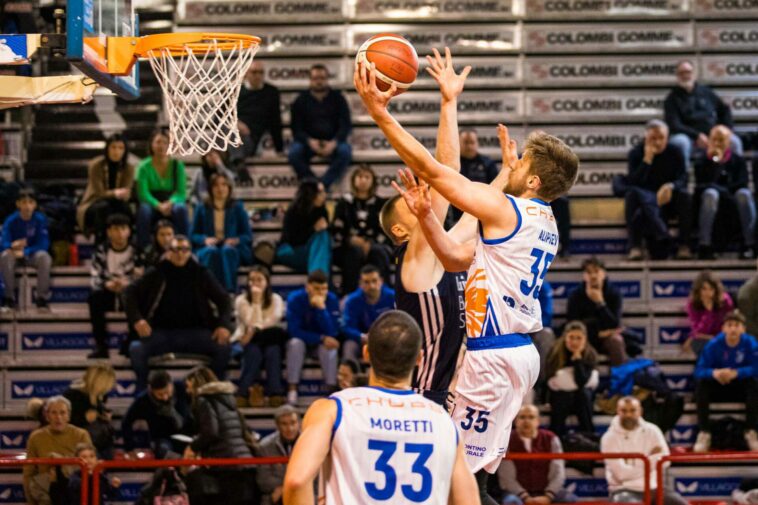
column 88, row 23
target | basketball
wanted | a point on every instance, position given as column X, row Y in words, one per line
column 395, row 59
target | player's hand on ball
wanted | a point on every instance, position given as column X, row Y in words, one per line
column 451, row 84
column 374, row 99
column 416, row 195
column 508, row 147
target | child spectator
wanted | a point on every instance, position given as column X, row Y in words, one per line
column 221, row 233
column 88, row 396
column 259, row 339
column 161, row 188
column 108, row 486
column 707, row 305
column 25, row 238
column 115, row 264
column 163, row 234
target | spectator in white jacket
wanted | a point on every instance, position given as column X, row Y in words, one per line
column 629, row 432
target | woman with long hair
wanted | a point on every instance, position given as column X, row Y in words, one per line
column 88, row 396
column 306, row 244
column 213, row 162
column 221, row 234
column 572, row 378
column 109, row 187
column 706, row 307
column 258, row 341
column 358, row 236
column 161, row 188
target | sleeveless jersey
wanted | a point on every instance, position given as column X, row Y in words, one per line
column 388, row 446
column 440, row 312
column 505, row 277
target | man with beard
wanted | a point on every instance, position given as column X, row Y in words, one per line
column 155, row 414
column 629, row 431
column 270, row 478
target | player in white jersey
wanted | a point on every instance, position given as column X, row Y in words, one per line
column 381, row 444
column 507, row 261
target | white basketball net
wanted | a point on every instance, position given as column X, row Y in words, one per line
column 201, row 90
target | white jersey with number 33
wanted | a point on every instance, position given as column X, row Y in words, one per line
column 388, row 447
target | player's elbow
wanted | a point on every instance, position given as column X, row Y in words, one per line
column 293, row 483
column 456, row 264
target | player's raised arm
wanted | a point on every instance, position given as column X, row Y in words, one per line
column 310, row 451
column 463, row 488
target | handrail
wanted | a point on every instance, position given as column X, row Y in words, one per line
column 693, row 458
column 12, row 461
column 521, row 456
column 164, row 463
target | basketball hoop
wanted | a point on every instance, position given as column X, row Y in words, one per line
column 201, row 75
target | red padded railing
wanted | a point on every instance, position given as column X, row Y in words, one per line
column 164, row 463
column 7, row 461
column 694, row 458
column 591, row 456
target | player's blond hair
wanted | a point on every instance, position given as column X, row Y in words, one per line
column 553, row 162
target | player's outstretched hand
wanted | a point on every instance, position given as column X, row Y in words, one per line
column 508, row 147
column 373, row 98
column 416, row 195
column 451, row 84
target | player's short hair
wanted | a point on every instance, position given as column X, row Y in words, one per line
column 388, row 215
column 735, row 315
column 656, row 124
column 394, row 342
column 318, row 277
column 554, row 162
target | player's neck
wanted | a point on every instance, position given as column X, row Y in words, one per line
column 379, row 382
column 529, row 194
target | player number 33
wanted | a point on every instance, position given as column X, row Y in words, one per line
column 383, row 466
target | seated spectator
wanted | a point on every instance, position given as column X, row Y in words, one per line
column 358, row 236
column 222, row 433
column 474, row 165
column 361, row 309
column 277, row 444
column 626, row 477
column 88, row 396
column 727, row 370
column 163, row 234
column 722, row 177
column 178, row 307
column 349, row 373
column 691, row 109
column 598, row 304
column 305, row 244
column 320, row 121
column 313, row 315
column 115, row 264
column 258, row 340
column 656, row 189
column 258, row 112
column 108, row 486
column 58, row 439
column 110, row 178
column 539, row 481
column 707, row 306
column 25, row 239
column 161, row 188
column 544, row 340
column 221, row 233
column 154, row 417
column 213, row 162
column 572, row 378
column 747, row 302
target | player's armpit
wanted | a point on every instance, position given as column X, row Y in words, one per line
column 463, row 489
column 310, row 451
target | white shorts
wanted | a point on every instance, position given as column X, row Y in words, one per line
column 491, row 386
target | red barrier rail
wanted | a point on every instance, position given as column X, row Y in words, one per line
column 6, row 462
column 694, row 458
column 592, row 456
column 164, row 463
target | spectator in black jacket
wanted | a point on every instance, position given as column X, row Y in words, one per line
column 258, row 112
column 597, row 304
column 221, row 434
column 154, row 417
column 170, row 308
column 358, row 236
column 115, row 264
column 88, row 411
column 320, row 121
column 572, row 379
column 721, row 175
column 656, row 188
column 691, row 109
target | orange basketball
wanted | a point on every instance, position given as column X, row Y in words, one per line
column 395, row 59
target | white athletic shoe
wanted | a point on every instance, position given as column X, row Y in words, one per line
column 292, row 397
column 703, row 442
column 751, row 437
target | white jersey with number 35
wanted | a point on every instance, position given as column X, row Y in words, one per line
column 506, row 275
column 388, row 447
